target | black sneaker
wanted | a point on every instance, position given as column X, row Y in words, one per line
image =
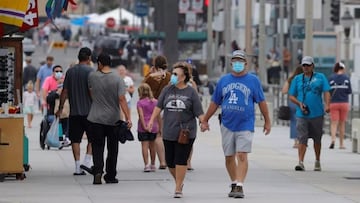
column 109, row 180
column 87, row 169
column 231, row 193
column 238, row 192
column 97, row 179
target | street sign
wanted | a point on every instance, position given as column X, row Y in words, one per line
column 110, row 22
column 141, row 9
column 297, row 32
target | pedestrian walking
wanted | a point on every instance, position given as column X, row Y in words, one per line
column 157, row 79
column 108, row 94
column 29, row 102
column 306, row 91
column 129, row 83
column 339, row 104
column 29, row 73
column 181, row 105
column 292, row 106
column 145, row 107
column 237, row 93
column 76, row 90
column 45, row 71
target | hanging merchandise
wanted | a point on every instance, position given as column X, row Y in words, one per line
column 13, row 13
column 54, row 9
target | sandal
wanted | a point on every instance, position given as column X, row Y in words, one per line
column 162, row 167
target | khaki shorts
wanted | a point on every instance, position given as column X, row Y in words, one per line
column 232, row 142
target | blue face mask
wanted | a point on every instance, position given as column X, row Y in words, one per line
column 238, row 66
column 58, row 75
column 174, row 80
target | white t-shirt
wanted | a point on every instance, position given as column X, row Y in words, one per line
column 29, row 99
column 128, row 83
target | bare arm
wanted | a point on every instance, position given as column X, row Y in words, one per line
column 63, row 97
column 124, row 107
column 265, row 112
column 204, row 125
column 327, row 101
column 155, row 114
column 141, row 118
column 285, row 88
column 37, row 87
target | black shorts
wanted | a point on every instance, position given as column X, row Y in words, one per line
column 146, row 136
column 177, row 154
column 77, row 126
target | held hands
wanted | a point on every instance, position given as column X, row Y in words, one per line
column 204, row 126
column 149, row 125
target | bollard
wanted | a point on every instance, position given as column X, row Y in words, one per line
column 355, row 124
column 354, row 142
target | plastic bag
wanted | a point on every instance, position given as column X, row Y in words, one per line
column 52, row 136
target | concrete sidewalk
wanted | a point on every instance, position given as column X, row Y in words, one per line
column 271, row 176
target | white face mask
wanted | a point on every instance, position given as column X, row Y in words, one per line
column 58, row 75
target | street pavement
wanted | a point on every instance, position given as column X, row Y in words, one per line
column 271, row 176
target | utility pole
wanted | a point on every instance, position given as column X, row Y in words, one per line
column 308, row 51
column 171, row 14
column 261, row 58
column 281, row 33
column 209, row 58
column 227, row 33
column 248, row 32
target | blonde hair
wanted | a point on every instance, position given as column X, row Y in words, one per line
column 30, row 85
column 144, row 91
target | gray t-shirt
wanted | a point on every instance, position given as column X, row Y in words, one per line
column 105, row 91
column 76, row 83
column 179, row 105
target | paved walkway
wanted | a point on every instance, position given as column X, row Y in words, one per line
column 271, row 176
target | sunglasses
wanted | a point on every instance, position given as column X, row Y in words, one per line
column 58, row 71
column 306, row 65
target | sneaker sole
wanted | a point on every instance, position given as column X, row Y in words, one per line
column 317, row 169
column 239, row 196
column 298, row 168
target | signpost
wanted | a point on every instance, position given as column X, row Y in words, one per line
column 297, row 32
column 141, row 9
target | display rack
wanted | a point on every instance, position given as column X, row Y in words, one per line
column 11, row 125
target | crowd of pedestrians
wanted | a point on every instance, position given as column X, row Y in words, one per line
column 98, row 98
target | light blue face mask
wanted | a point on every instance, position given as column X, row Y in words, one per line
column 174, row 80
column 238, row 66
column 58, row 75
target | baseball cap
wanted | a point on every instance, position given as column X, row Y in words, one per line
column 342, row 65
column 308, row 60
column 238, row 54
column 85, row 51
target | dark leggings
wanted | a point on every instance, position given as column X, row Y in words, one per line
column 177, row 154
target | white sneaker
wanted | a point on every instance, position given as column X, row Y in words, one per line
column 147, row 168
column 66, row 143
